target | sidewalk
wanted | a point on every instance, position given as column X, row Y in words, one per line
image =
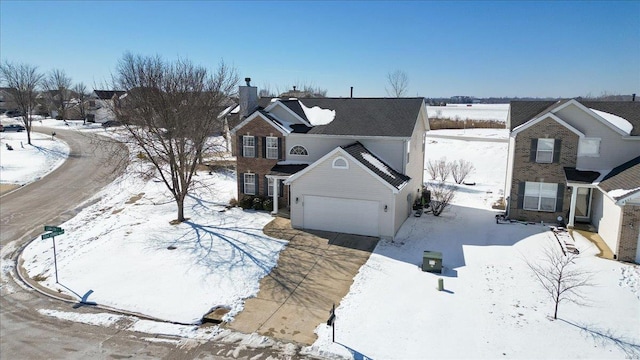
column 314, row 271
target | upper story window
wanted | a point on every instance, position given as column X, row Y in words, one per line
column 298, row 150
column 340, row 163
column 272, row 147
column 408, row 151
column 589, row 147
column 249, row 146
column 544, row 151
column 540, row 196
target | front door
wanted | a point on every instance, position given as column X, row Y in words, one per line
column 583, row 204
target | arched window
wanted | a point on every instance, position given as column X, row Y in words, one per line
column 298, row 150
column 340, row 163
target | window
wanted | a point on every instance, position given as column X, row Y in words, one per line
column 248, row 146
column 540, row 196
column 250, row 184
column 270, row 186
column 340, row 163
column 298, row 150
column 272, row 147
column 408, row 150
column 544, row 152
column 589, row 147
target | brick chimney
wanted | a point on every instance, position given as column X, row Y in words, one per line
column 248, row 98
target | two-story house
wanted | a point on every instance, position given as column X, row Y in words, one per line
column 100, row 105
column 352, row 165
column 574, row 161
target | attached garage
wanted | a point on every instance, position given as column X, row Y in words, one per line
column 342, row 215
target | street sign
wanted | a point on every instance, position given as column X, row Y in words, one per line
column 52, row 234
column 52, row 228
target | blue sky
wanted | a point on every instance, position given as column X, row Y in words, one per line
column 557, row 49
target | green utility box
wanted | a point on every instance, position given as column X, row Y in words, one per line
column 432, row 261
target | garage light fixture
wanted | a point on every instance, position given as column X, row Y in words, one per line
column 385, row 208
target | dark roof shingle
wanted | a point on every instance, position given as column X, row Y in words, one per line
column 623, row 177
column 373, row 163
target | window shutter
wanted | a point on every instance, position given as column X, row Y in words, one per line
column 534, row 150
column 265, row 187
column 560, row 197
column 264, row 147
column 280, row 188
column 521, row 185
column 280, row 150
column 257, row 185
column 242, row 182
column 556, row 150
column 240, row 151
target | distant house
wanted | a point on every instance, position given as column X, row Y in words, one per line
column 577, row 162
column 6, row 99
column 352, row 165
column 100, row 105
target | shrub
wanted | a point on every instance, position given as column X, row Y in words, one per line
column 141, row 155
column 460, row 169
column 257, row 203
column 443, row 169
column 246, row 202
column 267, row 204
column 233, row 202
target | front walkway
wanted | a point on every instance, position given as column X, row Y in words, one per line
column 314, row 271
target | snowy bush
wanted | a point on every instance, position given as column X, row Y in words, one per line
column 443, row 169
column 441, row 196
column 432, row 169
column 460, row 170
column 267, row 204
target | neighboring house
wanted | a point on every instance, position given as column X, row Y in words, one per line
column 6, row 99
column 575, row 162
column 100, row 105
column 352, row 165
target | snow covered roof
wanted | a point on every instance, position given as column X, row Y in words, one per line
column 379, row 167
column 521, row 112
column 623, row 180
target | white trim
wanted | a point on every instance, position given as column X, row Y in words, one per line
column 589, row 112
column 244, row 186
column 342, row 153
column 354, row 137
column 547, row 115
column 340, row 167
column 267, row 148
column 291, row 112
column 283, row 131
column 302, row 146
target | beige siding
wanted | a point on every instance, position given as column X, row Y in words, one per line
column 352, row 183
column 613, row 149
column 609, row 225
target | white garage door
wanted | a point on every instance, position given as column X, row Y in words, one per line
column 341, row 215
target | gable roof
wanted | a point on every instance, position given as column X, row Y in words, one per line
column 523, row 111
column 108, row 94
column 622, row 181
column 373, row 163
column 389, row 117
column 366, row 160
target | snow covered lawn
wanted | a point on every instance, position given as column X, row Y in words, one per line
column 122, row 251
column 27, row 163
column 492, row 306
column 496, row 112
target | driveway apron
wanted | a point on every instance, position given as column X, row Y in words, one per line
column 314, row 271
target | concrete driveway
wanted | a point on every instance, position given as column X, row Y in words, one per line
column 314, row 271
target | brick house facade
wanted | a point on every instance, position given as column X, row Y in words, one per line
column 254, row 164
column 527, row 169
column 630, row 233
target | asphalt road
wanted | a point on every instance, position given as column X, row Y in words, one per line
column 25, row 333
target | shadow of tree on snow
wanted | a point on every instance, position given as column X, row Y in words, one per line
column 607, row 336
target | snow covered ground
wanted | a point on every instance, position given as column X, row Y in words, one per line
column 115, row 252
column 497, row 112
column 42, row 156
column 492, row 306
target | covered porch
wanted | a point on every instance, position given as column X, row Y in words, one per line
column 278, row 191
column 581, row 185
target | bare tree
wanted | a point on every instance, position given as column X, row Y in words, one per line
column 82, row 96
column 170, row 110
column 398, row 82
column 443, row 168
column 558, row 275
column 24, row 80
column 57, row 91
column 441, row 196
column 432, row 168
column 460, row 170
